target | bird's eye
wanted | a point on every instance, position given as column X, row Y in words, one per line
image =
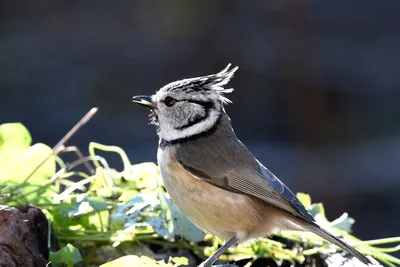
column 169, row 101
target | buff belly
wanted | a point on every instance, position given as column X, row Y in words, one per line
column 218, row 211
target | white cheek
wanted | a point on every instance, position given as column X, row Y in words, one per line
column 168, row 133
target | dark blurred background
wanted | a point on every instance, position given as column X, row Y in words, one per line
column 317, row 93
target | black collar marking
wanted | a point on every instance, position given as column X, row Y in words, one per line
column 166, row 143
column 207, row 107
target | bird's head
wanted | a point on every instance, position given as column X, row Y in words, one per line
column 188, row 107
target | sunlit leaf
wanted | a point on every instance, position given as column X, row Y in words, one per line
column 305, row 199
column 86, row 205
column 121, row 207
column 99, row 220
column 344, row 222
column 18, row 159
column 133, row 260
column 318, row 211
column 102, row 185
column 127, row 194
column 15, row 133
column 144, row 175
column 179, row 261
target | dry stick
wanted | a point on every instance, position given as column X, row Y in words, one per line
column 61, row 144
column 79, row 155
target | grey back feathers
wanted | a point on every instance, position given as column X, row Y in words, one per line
column 190, row 107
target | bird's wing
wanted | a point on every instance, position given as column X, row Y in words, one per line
column 238, row 171
column 250, row 178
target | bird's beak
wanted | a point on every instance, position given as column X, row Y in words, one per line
column 144, row 100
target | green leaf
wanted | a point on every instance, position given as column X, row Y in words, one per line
column 85, row 205
column 102, row 184
column 83, row 213
column 18, row 159
column 136, row 201
column 69, row 255
column 91, row 211
column 15, row 133
column 138, row 209
column 126, row 194
column 305, row 199
column 133, row 260
column 136, row 248
column 62, row 216
column 160, row 226
column 318, row 211
column 179, row 261
column 99, row 220
column 144, row 175
column 35, row 155
column 344, row 223
column 37, row 194
column 118, row 221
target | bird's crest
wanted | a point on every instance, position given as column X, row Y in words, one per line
column 204, row 84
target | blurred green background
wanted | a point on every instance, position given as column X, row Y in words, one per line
column 316, row 96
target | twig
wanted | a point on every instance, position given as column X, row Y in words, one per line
column 79, row 155
column 61, row 144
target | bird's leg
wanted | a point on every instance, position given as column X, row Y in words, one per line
column 208, row 262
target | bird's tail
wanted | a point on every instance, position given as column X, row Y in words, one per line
column 316, row 229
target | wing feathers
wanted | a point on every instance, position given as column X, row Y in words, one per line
column 246, row 181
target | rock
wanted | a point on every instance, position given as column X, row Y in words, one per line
column 23, row 237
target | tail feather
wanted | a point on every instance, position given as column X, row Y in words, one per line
column 316, row 229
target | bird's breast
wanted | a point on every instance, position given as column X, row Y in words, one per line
column 215, row 210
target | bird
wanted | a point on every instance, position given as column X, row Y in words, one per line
column 210, row 174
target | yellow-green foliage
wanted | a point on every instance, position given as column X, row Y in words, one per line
column 104, row 206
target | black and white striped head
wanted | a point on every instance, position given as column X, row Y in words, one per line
column 188, row 107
